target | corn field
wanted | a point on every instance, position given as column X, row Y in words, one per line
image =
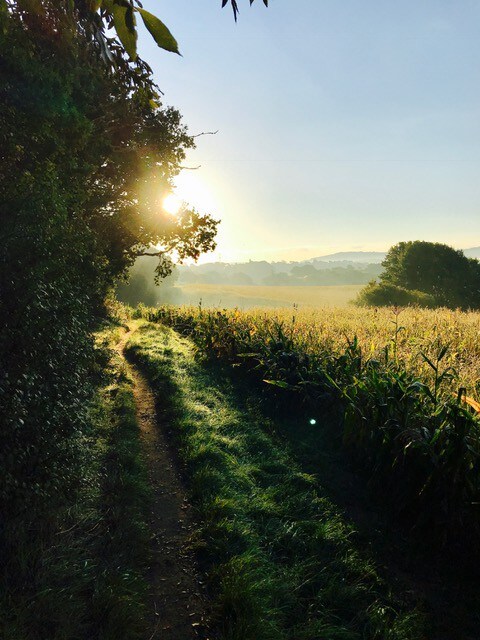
column 399, row 377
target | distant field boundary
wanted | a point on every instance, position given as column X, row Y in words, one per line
column 247, row 296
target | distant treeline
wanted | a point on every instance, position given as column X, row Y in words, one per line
column 280, row 273
column 141, row 287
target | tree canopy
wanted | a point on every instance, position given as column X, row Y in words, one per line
column 427, row 273
column 86, row 157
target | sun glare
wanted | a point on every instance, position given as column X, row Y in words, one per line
column 195, row 190
column 171, row 204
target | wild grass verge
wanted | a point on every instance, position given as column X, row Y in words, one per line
column 282, row 561
column 407, row 428
column 79, row 571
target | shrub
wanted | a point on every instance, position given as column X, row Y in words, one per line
column 389, row 295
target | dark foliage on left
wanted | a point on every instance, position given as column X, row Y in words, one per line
column 86, row 156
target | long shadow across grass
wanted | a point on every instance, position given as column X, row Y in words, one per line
column 442, row 583
column 282, row 559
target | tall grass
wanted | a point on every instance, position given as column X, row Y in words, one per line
column 282, row 561
column 395, row 375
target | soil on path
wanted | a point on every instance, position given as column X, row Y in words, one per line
column 178, row 605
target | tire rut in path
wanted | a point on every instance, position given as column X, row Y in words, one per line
column 178, row 604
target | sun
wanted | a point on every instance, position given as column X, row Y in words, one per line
column 171, row 204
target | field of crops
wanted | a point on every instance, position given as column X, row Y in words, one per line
column 399, row 334
column 249, row 296
column 399, row 378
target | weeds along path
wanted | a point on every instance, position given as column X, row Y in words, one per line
column 177, row 603
column 282, row 561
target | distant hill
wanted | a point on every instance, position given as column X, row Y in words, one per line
column 474, row 252
column 373, row 257
column 365, row 257
column 262, row 273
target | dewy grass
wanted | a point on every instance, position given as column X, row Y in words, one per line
column 282, row 561
column 81, row 575
column 406, row 426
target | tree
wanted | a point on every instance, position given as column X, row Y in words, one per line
column 86, row 154
column 435, row 269
column 85, row 159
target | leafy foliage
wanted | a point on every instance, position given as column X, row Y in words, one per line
column 389, row 295
column 235, row 5
column 424, row 273
column 85, row 160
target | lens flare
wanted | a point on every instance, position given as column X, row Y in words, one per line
column 171, row 204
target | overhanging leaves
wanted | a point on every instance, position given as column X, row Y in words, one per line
column 160, row 33
column 124, row 22
column 235, row 6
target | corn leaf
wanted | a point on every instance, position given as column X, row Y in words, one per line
column 279, row 383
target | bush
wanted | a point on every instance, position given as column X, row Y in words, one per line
column 389, row 295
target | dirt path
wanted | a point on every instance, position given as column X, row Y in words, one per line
column 178, row 604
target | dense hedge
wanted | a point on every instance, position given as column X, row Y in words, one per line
column 79, row 140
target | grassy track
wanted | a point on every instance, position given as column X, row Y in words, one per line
column 284, row 562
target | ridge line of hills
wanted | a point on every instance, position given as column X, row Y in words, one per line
column 345, row 267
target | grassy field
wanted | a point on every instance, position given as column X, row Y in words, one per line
column 246, row 297
column 398, row 379
column 382, row 385
column 282, row 561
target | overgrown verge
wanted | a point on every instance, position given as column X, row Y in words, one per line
column 283, row 562
column 78, row 572
column 418, row 445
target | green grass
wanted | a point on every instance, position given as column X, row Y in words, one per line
column 80, row 574
column 401, row 418
column 283, row 561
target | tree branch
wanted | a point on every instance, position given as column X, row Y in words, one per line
column 205, row 133
column 156, row 254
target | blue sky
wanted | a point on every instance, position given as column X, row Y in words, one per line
column 342, row 125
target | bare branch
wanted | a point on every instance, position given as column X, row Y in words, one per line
column 206, row 133
column 156, row 254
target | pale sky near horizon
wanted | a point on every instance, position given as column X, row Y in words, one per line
column 342, row 125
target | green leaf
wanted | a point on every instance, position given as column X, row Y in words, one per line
column 428, row 361
column 160, row 33
column 279, row 383
column 442, row 352
column 124, row 22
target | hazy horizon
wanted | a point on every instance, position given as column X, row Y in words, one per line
column 304, row 254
